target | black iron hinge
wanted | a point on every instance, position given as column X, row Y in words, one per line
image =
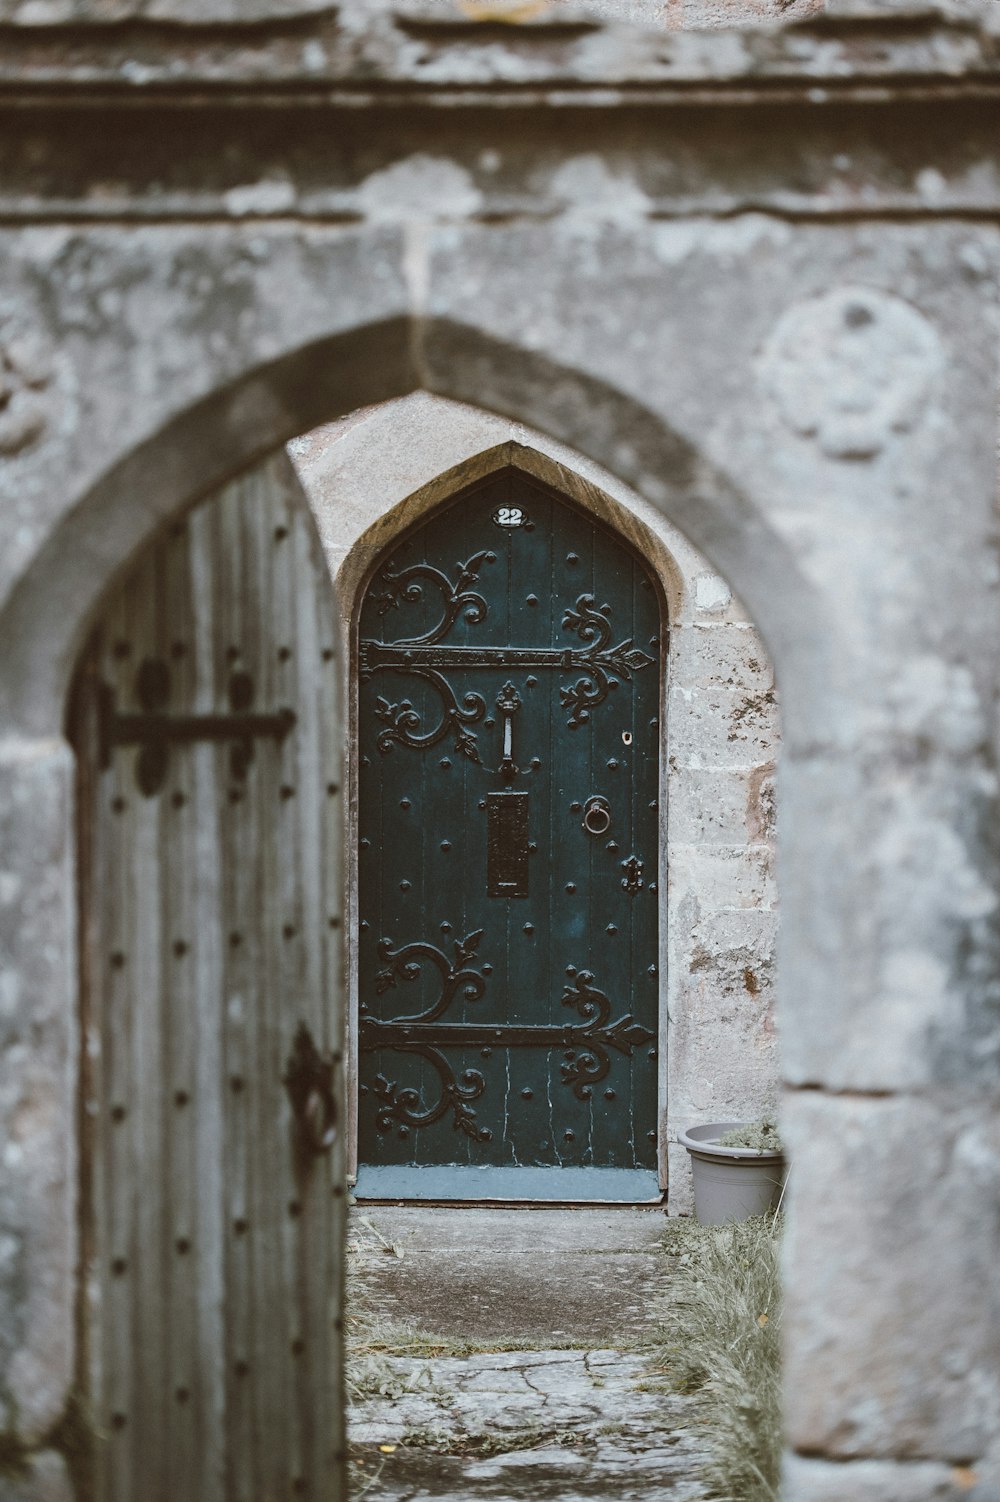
column 154, row 731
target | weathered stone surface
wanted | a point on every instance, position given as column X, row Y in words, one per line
column 206, row 12
column 710, row 807
column 984, row 12
column 539, row 1277
column 618, row 277
column 38, row 1056
column 557, row 1424
column 692, row 14
column 714, row 656
column 727, row 877
column 173, row 317
column 850, row 368
column 42, row 1478
column 892, row 1335
column 881, row 1481
column 904, row 1004
column 721, row 727
column 563, row 1423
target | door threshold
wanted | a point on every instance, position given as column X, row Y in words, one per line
column 488, row 1204
column 449, row 1184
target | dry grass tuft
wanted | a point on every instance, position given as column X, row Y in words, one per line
column 718, row 1334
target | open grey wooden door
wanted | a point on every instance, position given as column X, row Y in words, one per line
column 206, row 719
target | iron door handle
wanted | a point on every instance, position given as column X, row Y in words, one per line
column 597, row 815
column 308, row 1079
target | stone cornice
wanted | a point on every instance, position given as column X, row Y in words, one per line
column 415, row 54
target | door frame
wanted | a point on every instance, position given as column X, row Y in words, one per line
column 353, row 578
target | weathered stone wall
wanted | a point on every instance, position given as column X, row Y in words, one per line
column 675, row 15
column 718, row 961
column 755, row 276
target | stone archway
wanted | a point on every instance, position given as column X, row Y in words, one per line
column 82, row 556
column 377, row 473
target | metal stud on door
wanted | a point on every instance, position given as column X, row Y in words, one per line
column 508, row 661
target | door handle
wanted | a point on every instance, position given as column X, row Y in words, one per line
column 508, row 703
column 597, row 815
column 308, row 1079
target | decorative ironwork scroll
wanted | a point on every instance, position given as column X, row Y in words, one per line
column 404, row 1107
column 457, row 597
column 601, row 665
column 601, row 662
column 587, row 1061
column 403, row 725
column 401, row 721
column 585, row 1044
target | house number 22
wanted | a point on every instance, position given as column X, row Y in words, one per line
column 509, row 516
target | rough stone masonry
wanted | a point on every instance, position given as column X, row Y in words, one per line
column 751, row 274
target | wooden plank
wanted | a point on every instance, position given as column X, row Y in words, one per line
column 180, row 1398
column 315, row 776
column 210, row 1092
column 326, row 1354
column 111, row 1015
column 239, row 645
column 84, row 735
column 142, row 1189
column 289, row 1002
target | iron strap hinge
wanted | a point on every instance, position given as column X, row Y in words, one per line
column 153, row 730
column 625, row 1035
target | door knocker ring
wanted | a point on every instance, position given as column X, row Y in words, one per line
column 597, row 815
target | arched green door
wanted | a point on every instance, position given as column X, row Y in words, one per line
column 509, row 672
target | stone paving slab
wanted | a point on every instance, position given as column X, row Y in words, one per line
column 491, row 1275
column 539, row 1424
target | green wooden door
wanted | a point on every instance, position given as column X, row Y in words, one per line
column 509, row 676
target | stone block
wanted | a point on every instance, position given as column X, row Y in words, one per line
column 38, row 1055
column 722, row 806
column 722, row 1043
column 892, row 1300
column 727, row 952
column 42, row 1478
column 729, row 656
column 808, row 1480
column 897, row 987
column 720, row 727
column 725, row 876
column 710, row 600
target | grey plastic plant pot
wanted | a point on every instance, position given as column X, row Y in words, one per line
column 731, row 1183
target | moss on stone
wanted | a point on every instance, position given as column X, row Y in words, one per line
column 761, row 1136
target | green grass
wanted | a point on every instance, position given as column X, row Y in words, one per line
column 718, row 1334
